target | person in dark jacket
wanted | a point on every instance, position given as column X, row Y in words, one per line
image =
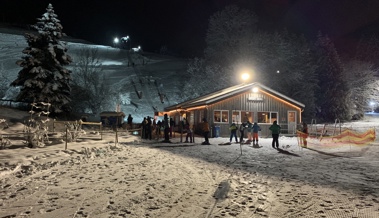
column 275, row 130
column 166, row 125
column 143, row 125
column 130, row 121
column 242, row 131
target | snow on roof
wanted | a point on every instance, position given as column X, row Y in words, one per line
column 229, row 92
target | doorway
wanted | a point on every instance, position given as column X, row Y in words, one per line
column 292, row 121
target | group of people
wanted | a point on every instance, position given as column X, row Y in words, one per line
column 252, row 132
column 149, row 125
column 253, row 129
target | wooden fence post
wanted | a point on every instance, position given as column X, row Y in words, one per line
column 65, row 148
column 116, row 139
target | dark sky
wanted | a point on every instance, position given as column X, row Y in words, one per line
column 181, row 25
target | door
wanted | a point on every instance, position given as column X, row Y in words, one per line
column 292, row 122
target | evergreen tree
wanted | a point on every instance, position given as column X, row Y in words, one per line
column 43, row 77
column 360, row 72
column 290, row 69
column 332, row 96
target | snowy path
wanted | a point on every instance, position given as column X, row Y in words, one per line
column 150, row 179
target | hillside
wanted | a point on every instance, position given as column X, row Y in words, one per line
column 151, row 73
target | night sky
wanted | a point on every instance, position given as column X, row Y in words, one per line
column 181, row 25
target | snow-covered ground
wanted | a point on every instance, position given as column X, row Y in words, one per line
column 146, row 178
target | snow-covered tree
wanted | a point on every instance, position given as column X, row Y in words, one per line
column 235, row 44
column 43, row 77
column 368, row 50
column 200, row 75
column 4, row 81
column 360, row 79
column 229, row 34
column 289, row 68
column 332, row 96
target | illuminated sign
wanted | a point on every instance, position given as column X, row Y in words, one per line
column 255, row 99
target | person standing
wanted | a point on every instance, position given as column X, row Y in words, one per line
column 256, row 128
column 206, row 130
column 187, row 128
column 143, row 127
column 242, row 131
column 275, row 130
column 166, row 125
column 158, row 129
column 148, row 128
column 130, row 121
column 305, row 135
column 233, row 132
column 249, row 131
column 172, row 124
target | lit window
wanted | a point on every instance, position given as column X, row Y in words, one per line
column 247, row 116
column 267, row 117
column 221, row 116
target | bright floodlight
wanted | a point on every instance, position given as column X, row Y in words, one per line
column 255, row 89
column 116, row 40
column 245, row 76
column 277, row 71
column 125, row 38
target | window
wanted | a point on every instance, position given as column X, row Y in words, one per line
column 236, row 117
column 221, row 116
column 242, row 116
column 267, row 117
column 247, row 116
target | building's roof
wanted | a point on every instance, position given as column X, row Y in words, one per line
column 227, row 93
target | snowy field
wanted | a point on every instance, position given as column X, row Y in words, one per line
column 145, row 178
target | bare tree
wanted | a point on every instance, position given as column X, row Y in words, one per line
column 91, row 90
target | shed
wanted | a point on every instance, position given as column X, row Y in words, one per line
column 252, row 102
column 112, row 118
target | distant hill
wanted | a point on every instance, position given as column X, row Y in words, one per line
column 141, row 77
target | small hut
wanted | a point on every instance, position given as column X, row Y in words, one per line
column 112, row 118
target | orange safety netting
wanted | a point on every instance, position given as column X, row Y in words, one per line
column 347, row 137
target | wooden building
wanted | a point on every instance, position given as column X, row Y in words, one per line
column 254, row 102
column 112, row 118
